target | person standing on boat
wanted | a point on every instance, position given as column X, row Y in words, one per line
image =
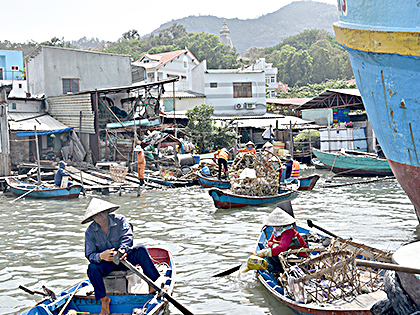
column 249, row 147
column 292, row 167
column 284, row 236
column 107, row 234
column 222, row 156
column 58, row 177
column 140, row 161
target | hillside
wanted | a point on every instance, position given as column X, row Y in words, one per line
column 267, row 30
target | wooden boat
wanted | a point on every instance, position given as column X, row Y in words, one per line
column 121, row 302
column 228, row 200
column 386, row 60
column 354, row 163
column 317, row 163
column 29, row 190
column 306, row 183
column 349, row 305
column 171, row 183
column 210, row 182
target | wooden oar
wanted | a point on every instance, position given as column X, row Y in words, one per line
column 83, row 187
column 381, row 265
column 21, row 196
column 160, row 292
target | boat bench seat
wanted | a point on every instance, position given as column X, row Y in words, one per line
column 361, row 301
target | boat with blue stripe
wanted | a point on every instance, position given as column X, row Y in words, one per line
column 382, row 38
column 28, row 190
column 212, row 182
column 79, row 298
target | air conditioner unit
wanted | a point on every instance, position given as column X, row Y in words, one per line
column 239, row 106
column 251, row 106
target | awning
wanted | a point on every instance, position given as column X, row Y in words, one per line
column 41, row 133
column 23, row 124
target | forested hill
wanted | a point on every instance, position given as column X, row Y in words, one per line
column 267, row 30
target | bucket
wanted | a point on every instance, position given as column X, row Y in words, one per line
column 196, row 159
column 185, row 159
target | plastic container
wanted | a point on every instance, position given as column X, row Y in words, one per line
column 256, row 263
column 196, row 159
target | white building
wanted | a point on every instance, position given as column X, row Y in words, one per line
column 271, row 80
column 168, row 65
column 232, row 92
column 55, row 71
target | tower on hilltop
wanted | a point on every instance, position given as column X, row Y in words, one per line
column 225, row 35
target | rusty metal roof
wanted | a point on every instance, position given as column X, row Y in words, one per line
column 335, row 98
column 27, row 121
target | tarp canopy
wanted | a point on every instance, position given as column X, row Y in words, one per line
column 41, row 132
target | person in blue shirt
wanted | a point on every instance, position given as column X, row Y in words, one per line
column 60, row 173
column 107, row 234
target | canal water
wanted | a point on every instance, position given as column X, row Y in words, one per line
column 42, row 242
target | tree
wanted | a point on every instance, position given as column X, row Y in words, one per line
column 203, row 132
column 312, row 90
column 131, row 34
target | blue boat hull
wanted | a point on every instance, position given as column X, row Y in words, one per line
column 352, row 165
column 386, row 63
column 120, row 304
column 43, row 192
column 227, row 200
column 211, row 182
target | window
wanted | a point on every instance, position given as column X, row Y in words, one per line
column 1, row 74
column 13, row 105
column 70, row 85
column 185, row 62
column 242, row 90
column 267, row 80
column 273, row 79
column 213, row 85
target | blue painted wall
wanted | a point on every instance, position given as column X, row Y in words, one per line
column 9, row 58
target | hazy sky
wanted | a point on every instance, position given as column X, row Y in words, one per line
column 41, row 20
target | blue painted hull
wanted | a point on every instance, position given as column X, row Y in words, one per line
column 354, row 165
column 211, row 182
column 306, row 183
column 43, row 192
column 120, row 304
column 227, row 200
column 387, row 72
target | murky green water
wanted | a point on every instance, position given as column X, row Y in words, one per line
column 42, row 242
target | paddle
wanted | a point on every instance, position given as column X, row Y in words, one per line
column 227, row 272
column 311, row 225
column 21, row 196
column 160, row 292
column 83, row 187
column 27, row 290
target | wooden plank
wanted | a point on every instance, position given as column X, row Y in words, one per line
column 74, row 171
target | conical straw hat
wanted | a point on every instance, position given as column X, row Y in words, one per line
column 267, row 144
column 96, row 206
column 279, row 217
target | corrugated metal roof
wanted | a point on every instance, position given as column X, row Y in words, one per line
column 67, row 108
column 287, row 101
column 181, row 94
column 27, row 121
column 335, row 98
column 283, row 123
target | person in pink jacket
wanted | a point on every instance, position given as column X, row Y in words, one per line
column 284, row 236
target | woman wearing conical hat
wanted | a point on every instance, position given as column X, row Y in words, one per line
column 107, row 234
column 284, row 236
column 249, row 147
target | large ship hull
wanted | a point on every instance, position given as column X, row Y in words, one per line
column 383, row 40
